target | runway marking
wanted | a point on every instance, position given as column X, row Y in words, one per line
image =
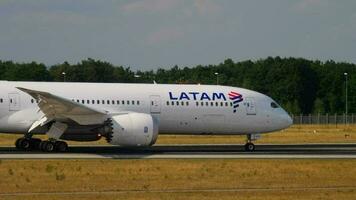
column 210, row 190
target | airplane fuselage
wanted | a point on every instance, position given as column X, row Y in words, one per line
column 179, row 109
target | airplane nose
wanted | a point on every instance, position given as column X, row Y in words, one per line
column 285, row 120
column 289, row 120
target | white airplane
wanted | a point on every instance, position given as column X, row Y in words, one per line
column 132, row 114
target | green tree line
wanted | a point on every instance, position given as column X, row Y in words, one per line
column 299, row 85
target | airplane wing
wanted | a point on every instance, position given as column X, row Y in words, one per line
column 58, row 108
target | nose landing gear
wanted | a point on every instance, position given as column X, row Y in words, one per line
column 249, row 146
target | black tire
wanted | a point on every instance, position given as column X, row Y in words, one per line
column 25, row 144
column 17, row 143
column 249, row 147
column 61, row 146
column 49, row 146
column 42, row 145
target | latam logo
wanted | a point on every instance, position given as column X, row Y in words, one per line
column 197, row 96
column 236, row 98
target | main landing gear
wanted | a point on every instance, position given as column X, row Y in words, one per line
column 53, row 144
column 249, row 146
column 29, row 144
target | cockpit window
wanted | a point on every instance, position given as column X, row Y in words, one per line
column 274, row 105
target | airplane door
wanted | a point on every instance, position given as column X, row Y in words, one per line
column 250, row 106
column 14, row 101
column 155, row 104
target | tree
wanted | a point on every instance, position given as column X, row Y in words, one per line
column 318, row 106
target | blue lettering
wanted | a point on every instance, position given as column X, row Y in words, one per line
column 218, row 96
column 194, row 95
column 171, row 96
column 198, row 96
column 204, row 96
column 183, row 95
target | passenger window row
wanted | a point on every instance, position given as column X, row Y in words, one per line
column 108, row 102
column 178, row 103
column 113, row 102
column 197, row 103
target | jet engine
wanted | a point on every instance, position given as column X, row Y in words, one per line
column 132, row 129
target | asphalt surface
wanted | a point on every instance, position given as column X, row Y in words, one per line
column 208, row 151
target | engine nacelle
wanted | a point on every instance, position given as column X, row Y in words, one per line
column 133, row 129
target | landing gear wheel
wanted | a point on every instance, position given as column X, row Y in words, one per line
column 249, row 146
column 61, row 146
column 17, row 143
column 47, row 146
column 27, row 143
column 23, row 144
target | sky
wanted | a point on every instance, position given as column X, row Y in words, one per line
column 151, row 34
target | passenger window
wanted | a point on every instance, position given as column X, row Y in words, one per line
column 182, row 103
column 187, row 103
column 128, row 102
column 221, row 104
column 83, row 101
column 212, row 103
column 197, row 103
column 118, row 102
column 138, row 102
column 167, row 103
column 123, row 102
column 177, row 103
column 10, row 100
column 1, row 100
column 98, row 101
column 230, row 103
column 207, row 103
column 113, row 102
column 92, row 101
column 103, row 101
column 108, row 101
column 133, row 102
column 216, row 103
column 88, row 101
column 77, row 100
column 226, row 104
column 31, row 100
column 172, row 103
column 202, row 103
